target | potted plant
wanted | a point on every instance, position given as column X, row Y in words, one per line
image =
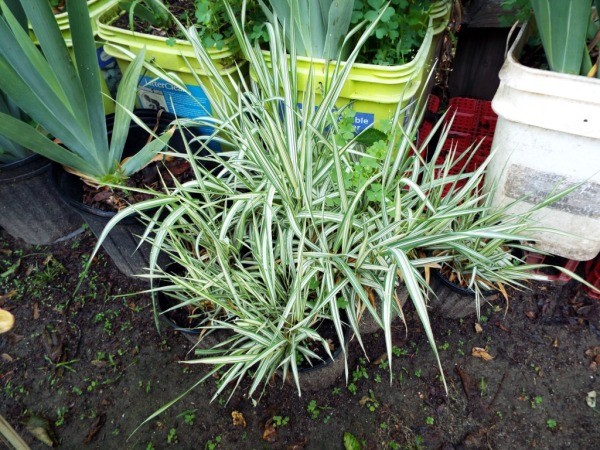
column 63, row 96
column 299, row 219
column 491, row 255
column 276, row 239
column 547, row 133
column 30, row 208
column 169, row 50
column 393, row 66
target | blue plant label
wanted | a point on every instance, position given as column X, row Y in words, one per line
column 105, row 61
column 363, row 120
column 156, row 93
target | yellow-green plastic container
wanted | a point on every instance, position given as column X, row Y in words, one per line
column 440, row 16
column 96, row 8
column 374, row 91
column 156, row 93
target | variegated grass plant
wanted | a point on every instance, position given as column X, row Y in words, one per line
column 490, row 255
column 283, row 235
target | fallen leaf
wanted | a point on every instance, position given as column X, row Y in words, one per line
column 99, row 364
column 530, row 315
column 7, row 358
column 40, row 428
column 482, row 353
column 7, row 320
column 95, row 428
column 270, row 433
column 297, row 446
column 238, row 419
column 502, row 327
column 363, row 401
column 593, row 351
column 555, row 343
column 381, row 359
column 29, row 270
column 36, row 311
column 8, row 295
column 591, row 399
column 478, row 328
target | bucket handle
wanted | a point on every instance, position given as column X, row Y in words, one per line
column 509, row 37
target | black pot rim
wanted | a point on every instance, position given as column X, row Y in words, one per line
column 160, row 298
column 39, row 163
column 20, row 162
column 456, row 287
column 335, row 354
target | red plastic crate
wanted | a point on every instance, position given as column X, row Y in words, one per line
column 424, row 131
column 592, row 276
column 487, row 119
column 486, row 145
column 433, row 103
column 569, row 264
column 465, row 112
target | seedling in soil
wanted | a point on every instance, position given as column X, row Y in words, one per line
column 150, row 446
column 429, row 420
column 188, row 416
column 336, row 391
column 280, row 421
column 172, row 436
column 551, row 424
column 370, row 402
column 418, row 373
column 397, row 351
column 314, row 409
column 360, row 372
column 60, row 415
column 537, row 400
column 212, row 444
column 483, row 388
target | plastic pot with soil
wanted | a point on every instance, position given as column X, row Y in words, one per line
column 367, row 323
column 326, row 372
column 30, row 207
column 191, row 320
column 98, row 207
column 451, row 300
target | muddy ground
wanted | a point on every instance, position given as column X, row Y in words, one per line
column 94, row 366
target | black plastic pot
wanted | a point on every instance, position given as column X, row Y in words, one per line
column 324, row 373
column 195, row 334
column 451, row 300
column 122, row 244
column 30, row 207
column 367, row 324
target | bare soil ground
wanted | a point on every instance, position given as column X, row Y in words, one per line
column 94, row 366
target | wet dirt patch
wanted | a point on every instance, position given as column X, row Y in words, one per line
column 95, row 367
